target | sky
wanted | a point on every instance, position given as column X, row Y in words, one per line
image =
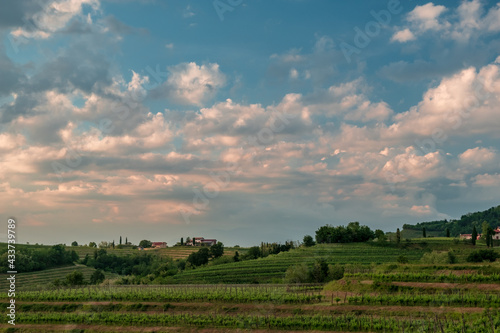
column 244, row 120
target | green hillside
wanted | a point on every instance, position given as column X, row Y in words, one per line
column 45, row 278
column 273, row 268
column 175, row 252
column 463, row 225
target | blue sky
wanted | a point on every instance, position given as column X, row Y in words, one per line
column 245, row 121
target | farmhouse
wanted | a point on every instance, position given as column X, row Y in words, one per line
column 159, row 245
column 496, row 235
column 200, row 241
column 209, row 242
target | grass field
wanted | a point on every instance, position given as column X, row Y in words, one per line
column 376, row 294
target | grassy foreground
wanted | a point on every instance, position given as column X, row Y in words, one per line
column 376, row 294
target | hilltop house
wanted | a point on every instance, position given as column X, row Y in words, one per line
column 496, row 235
column 200, row 241
column 159, row 245
column 468, row 236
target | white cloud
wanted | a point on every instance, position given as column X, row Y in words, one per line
column 492, row 19
column 403, row 36
column 188, row 12
column 426, row 17
column 348, row 100
column 191, row 84
column 467, row 21
column 55, row 16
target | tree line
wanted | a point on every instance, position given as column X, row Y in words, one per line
column 30, row 260
column 353, row 233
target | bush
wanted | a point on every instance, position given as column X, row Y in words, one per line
column 222, row 260
column 75, row 278
column 297, row 274
column 402, row 259
column 482, row 255
column 452, row 258
column 436, row 257
column 335, row 272
column 97, row 277
column 319, row 271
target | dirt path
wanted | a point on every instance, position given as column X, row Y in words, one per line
column 102, row 328
column 281, row 309
column 440, row 285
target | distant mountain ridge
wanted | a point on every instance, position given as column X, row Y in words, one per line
column 462, row 226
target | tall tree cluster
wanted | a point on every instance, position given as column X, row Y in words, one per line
column 353, row 233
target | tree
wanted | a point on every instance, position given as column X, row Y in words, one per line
column 341, row 234
column 319, row 271
column 199, row 258
column 188, row 240
column 97, row 277
column 126, row 241
column 236, row 257
column 75, row 278
column 481, row 255
column 448, row 232
column 308, row 241
column 254, row 252
column 92, row 244
column 474, row 235
column 217, row 250
column 182, row 241
column 113, row 244
column 120, row 240
column 145, row 243
column 74, row 243
column 424, row 233
column 398, row 236
column 484, row 227
column 489, row 236
column 380, row 235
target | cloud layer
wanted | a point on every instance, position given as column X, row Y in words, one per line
column 87, row 145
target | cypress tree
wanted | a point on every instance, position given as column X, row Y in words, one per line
column 474, row 235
